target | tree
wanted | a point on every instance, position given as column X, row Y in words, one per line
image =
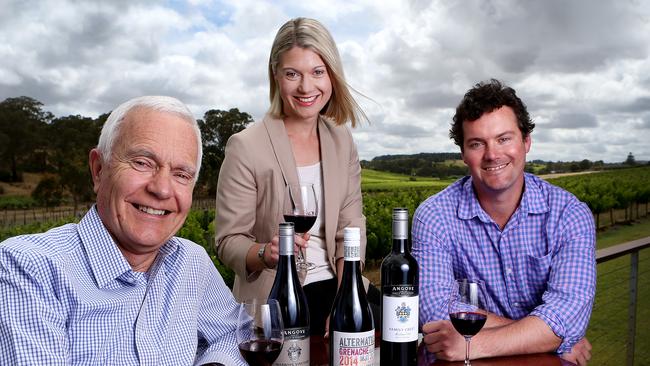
column 22, row 120
column 585, row 164
column 48, row 192
column 71, row 138
column 216, row 128
column 630, row 160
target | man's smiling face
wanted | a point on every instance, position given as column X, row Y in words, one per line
column 495, row 152
column 144, row 189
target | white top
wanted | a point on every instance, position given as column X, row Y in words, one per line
column 317, row 249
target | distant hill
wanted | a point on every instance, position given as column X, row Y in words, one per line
column 434, row 157
column 449, row 165
column 439, row 165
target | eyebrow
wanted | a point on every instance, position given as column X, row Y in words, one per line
column 509, row 132
column 296, row 70
column 149, row 154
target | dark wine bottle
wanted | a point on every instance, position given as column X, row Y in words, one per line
column 352, row 330
column 293, row 304
column 399, row 301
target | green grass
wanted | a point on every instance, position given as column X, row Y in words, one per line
column 608, row 327
column 373, row 180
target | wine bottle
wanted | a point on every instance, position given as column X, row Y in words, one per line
column 399, row 301
column 352, row 330
column 293, row 304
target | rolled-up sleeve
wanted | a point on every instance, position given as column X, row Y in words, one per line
column 568, row 299
column 431, row 251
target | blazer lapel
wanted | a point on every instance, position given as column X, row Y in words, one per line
column 330, row 187
column 282, row 149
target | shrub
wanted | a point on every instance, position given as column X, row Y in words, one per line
column 16, row 202
column 33, row 228
column 49, row 192
column 199, row 228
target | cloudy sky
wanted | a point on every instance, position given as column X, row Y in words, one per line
column 581, row 66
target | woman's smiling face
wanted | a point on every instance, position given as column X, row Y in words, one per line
column 304, row 83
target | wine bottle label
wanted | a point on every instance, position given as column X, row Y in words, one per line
column 295, row 349
column 356, row 349
column 400, row 317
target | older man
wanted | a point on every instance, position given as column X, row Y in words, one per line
column 532, row 243
column 118, row 288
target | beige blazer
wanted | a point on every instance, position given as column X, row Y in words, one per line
column 258, row 164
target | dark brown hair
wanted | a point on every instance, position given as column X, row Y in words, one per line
column 485, row 97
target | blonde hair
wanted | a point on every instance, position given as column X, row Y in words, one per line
column 311, row 34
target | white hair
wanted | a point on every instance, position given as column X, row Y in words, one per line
column 111, row 129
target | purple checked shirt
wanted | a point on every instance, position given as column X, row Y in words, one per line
column 543, row 263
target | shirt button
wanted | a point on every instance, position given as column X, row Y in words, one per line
column 509, row 271
column 516, row 304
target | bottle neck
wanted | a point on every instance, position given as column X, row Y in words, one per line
column 286, row 263
column 351, row 273
column 400, row 236
column 400, row 245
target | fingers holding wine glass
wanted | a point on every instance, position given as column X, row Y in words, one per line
column 272, row 252
column 467, row 310
column 301, row 208
column 441, row 338
column 301, row 243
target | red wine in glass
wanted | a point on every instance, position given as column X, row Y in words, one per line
column 301, row 208
column 260, row 352
column 467, row 323
column 467, row 310
column 260, row 331
column 301, row 223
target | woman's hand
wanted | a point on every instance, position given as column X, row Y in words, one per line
column 300, row 242
column 272, row 252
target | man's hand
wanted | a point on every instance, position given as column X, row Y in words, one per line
column 580, row 353
column 441, row 338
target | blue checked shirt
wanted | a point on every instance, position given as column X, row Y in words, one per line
column 543, row 263
column 70, row 298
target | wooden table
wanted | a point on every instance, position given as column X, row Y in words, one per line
column 536, row 359
column 319, row 349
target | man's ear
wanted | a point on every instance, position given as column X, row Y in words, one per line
column 96, row 165
column 527, row 142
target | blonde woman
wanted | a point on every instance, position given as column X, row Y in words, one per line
column 302, row 139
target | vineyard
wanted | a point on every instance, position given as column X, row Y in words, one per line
column 620, row 196
column 625, row 189
column 615, row 197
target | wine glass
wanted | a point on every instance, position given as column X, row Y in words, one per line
column 467, row 309
column 260, row 332
column 301, row 208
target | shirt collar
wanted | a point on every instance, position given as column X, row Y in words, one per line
column 532, row 200
column 106, row 261
column 469, row 206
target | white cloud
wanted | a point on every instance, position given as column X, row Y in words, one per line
column 582, row 67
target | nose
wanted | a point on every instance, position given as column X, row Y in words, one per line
column 305, row 84
column 491, row 152
column 160, row 184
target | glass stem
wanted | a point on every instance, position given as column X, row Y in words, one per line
column 467, row 339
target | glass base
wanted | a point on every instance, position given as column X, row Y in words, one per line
column 305, row 266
